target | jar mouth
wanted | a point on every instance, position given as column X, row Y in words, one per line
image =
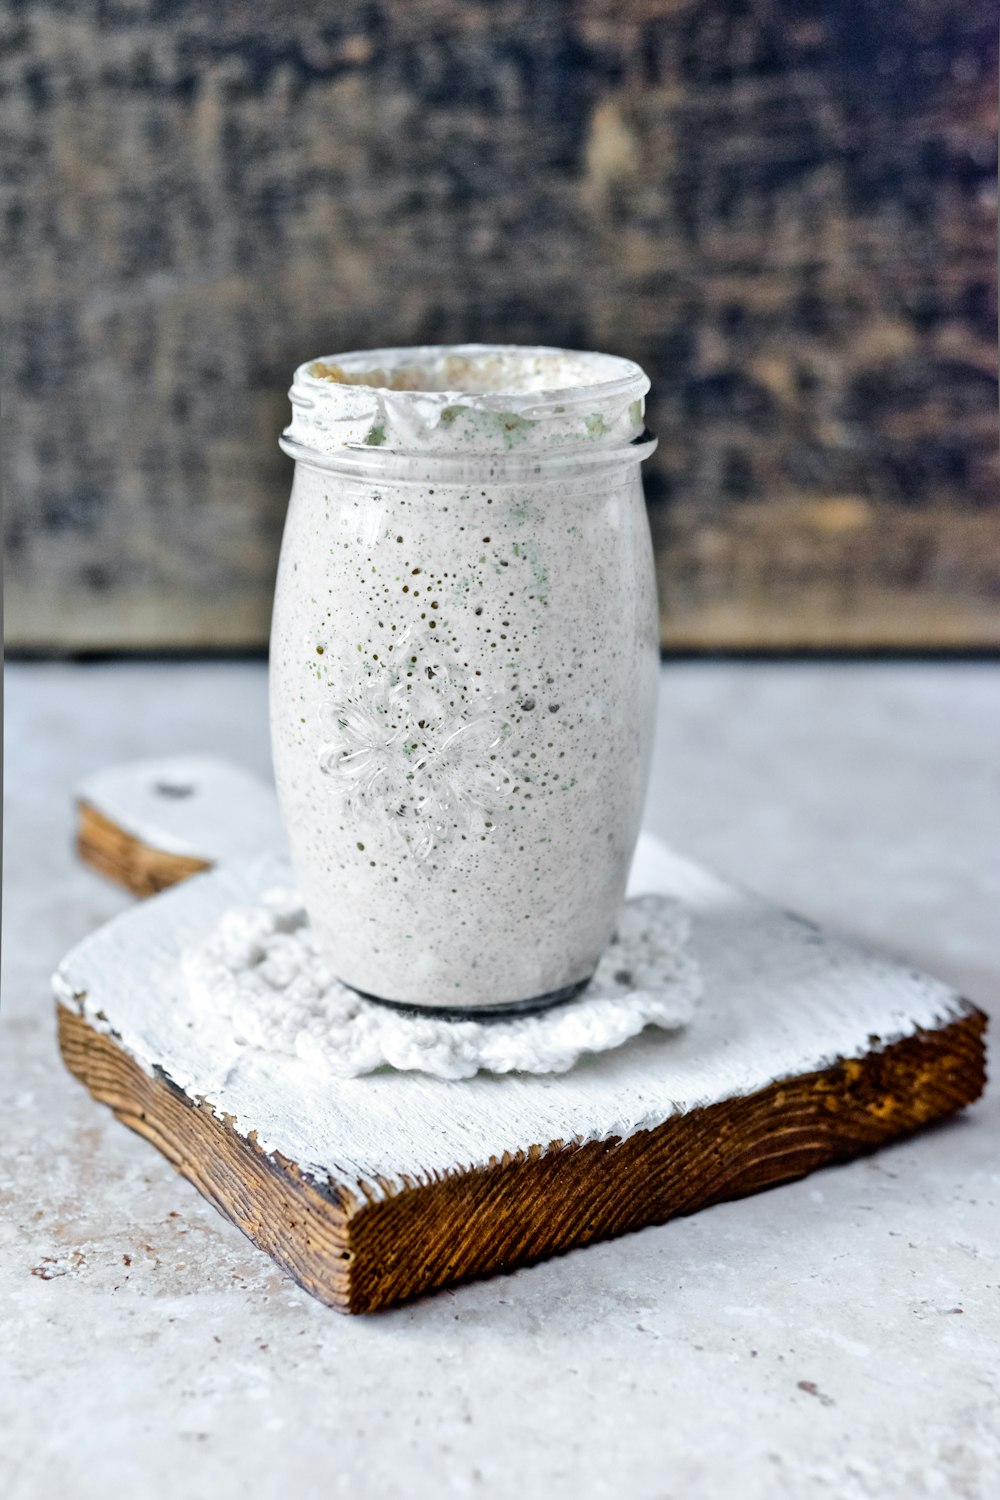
column 465, row 400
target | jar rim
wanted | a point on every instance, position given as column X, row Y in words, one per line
column 466, row 400
column 399, row 468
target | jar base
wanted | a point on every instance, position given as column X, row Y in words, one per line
column 507, row 1011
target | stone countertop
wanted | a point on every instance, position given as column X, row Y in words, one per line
column 836, row 1337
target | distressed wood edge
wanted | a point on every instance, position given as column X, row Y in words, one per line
column 358, row 1252
column 305, row 1229
column 121, row 856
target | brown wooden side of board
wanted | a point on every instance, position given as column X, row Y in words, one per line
column 359, row 1254
column 122, row 857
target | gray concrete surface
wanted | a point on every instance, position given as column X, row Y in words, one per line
column 838, row 1337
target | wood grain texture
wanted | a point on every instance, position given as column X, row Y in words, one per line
column 360, row 1256
column 148, row 823
column 784, row 209
column 125, row 858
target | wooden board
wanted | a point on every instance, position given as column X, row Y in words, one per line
column 786, row 212
column 359, row 1253
column 368, row 1191
column 148, row 824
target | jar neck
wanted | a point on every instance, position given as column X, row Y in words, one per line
column 518, row 408
column 379, row 466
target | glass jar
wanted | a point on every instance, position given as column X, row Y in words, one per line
column 464, row 665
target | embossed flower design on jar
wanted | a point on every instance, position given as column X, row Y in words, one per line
column 413, row 742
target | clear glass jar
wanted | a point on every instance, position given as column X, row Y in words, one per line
column 463, row 666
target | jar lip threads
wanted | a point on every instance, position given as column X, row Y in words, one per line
column 458, row 400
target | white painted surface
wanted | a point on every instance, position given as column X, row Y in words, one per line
column 779, row 999
column 805, row 1343
column 196, row 805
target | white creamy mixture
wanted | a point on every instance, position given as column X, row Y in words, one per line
column 466, row 399
column 464, row 667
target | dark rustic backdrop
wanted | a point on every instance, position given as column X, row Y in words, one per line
column 784, row 209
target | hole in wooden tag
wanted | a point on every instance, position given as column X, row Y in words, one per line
column 173, row 789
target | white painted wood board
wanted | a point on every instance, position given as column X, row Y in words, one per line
column 197, row 806
column 781, row 999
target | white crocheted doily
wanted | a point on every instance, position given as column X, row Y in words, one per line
column 262, row 968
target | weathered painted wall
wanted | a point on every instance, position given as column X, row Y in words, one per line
column 785, row 209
